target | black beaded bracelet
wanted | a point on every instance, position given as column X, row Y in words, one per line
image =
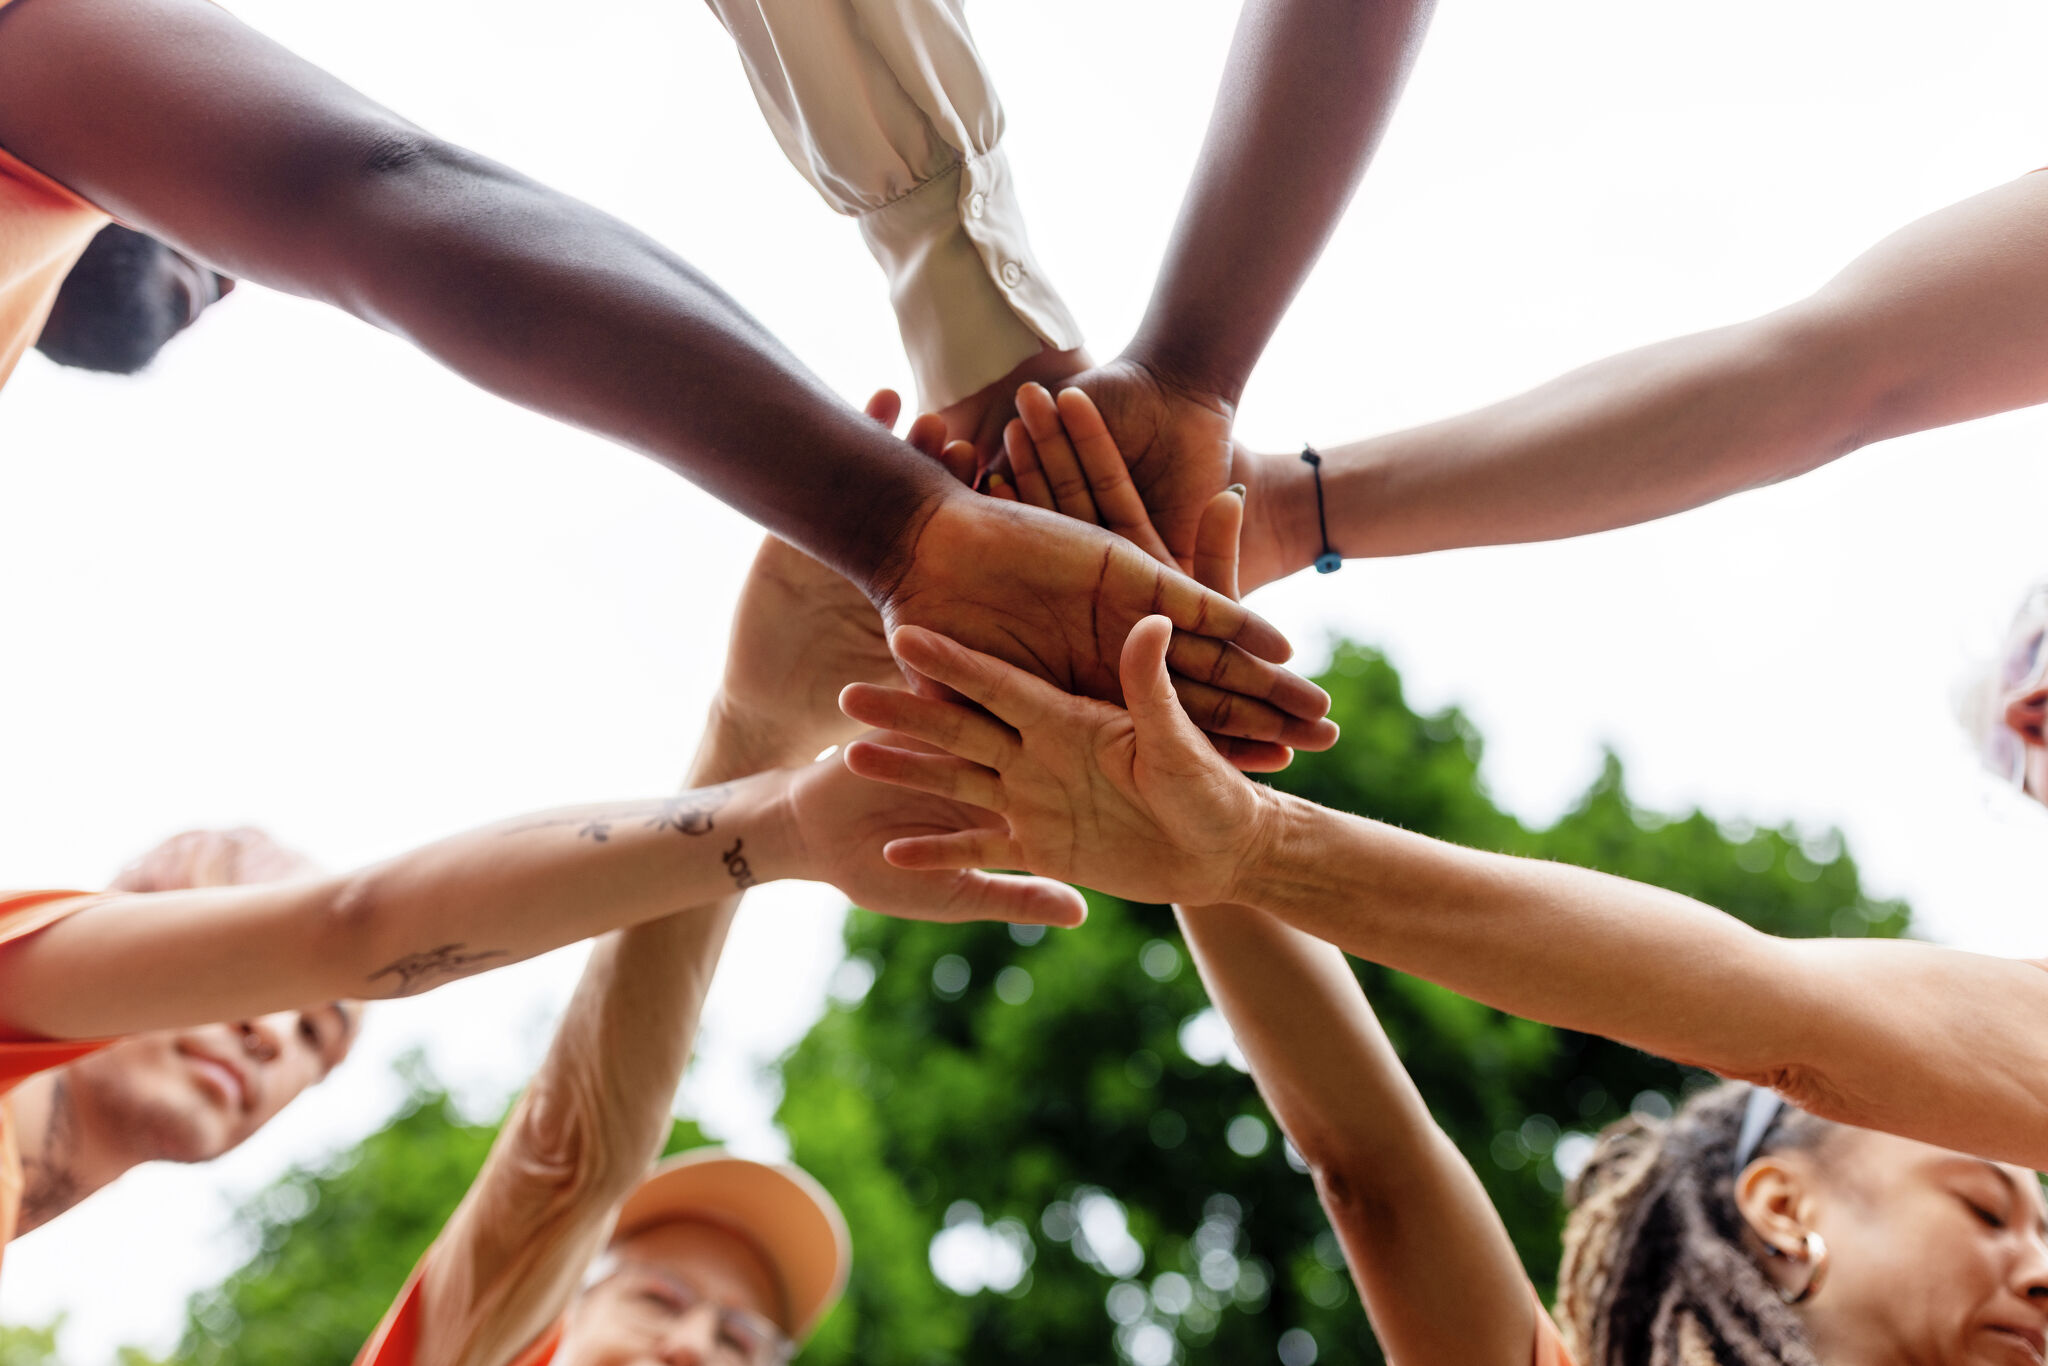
column 1329, row 562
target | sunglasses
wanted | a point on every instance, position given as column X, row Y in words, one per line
column 650, row 1301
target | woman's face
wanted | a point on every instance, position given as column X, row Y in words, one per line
column 1935, row 1258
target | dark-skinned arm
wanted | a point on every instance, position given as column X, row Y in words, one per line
column 191, row 126
column 1306, row 95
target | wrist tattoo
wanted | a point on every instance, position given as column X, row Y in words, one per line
column 416, row 972
column 736, row 864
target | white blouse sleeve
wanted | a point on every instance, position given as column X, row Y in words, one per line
column 885, row 107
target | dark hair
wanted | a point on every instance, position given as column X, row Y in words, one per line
column 1656, row 1270
column 116, row 308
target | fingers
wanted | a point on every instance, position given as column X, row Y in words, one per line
column 959, row 459
column 1019, row 900
column 1216, row 542
column 1149, row 692
column 1016, row 698
column 1117, row 499
column 928, row 435
column 1000, row 487
column 959, row 849
column 941, row 775
column 1252, row 756
column 1056, row 456
column 1025, row 475
column 885, row 406
column 1228, row 692
column 949, row 726
column 1204, row 612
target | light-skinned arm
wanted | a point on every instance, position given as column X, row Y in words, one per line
column 1931, row 1043
column 191, row 126
column 1433, row 1264
column 1944, row 321
column 481, row 900
column 595, row 1115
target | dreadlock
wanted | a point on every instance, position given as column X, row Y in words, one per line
column 1656, row 1271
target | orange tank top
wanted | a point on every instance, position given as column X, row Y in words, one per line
column 21, row 1057
column 44, row 228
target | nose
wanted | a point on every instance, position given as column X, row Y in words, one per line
column 2030, row 1271
column 694, row 1339
column 2025, row 709
column 259, row 1039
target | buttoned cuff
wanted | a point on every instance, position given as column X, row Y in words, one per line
column 970, row 300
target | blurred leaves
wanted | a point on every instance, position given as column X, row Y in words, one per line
column 1044, row 1143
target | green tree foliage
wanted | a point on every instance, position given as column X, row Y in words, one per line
column 335, row 1243
column 1054, row 1120
column 1058, row 1105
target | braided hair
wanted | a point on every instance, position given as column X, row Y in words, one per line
column 1656, row 1269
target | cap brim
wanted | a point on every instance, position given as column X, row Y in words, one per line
column 781, row 1209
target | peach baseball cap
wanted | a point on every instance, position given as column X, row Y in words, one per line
column 779, row 1208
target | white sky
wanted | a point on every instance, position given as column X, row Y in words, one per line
column 299, row 576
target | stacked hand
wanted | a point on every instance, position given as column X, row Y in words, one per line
column 1136, row 802
column 1171, row 446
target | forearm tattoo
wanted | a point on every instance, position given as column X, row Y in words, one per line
column 736, row 865
column 418, row 972
column 688, row 814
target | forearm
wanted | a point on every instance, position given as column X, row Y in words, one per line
column 1928, row 1042
column 1944, row 321
column 466, row 904
column 582, row 1135
column 1431, row 1259
column 1305, row 96
column 184, row 122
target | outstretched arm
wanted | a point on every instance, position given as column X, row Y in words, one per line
column 125, row 963
column 1927, row 1042
column 1944, row 321
column 190, row 125
column 578, row 1141
column 1306, row 95
column 1432, row 1261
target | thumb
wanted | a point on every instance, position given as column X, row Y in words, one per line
column 1148, row 689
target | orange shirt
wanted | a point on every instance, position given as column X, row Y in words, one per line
column 397, row 1338
column 44, row 228
column 21, row 915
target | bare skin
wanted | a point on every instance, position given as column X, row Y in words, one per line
column 1942, row 322
column 1306, row 96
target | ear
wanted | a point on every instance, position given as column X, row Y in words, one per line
column 1777, row 1197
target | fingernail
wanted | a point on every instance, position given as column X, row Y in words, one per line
column 1237, row 489
column 996, row 481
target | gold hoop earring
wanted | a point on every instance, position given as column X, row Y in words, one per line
column 1815, row 1255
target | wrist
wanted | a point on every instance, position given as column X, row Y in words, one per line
column 777, row 850
column 1185, row 369
column 738, row 744
column 881, row 577
column 1282, row 835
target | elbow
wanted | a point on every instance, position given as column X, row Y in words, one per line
column 1846, row 390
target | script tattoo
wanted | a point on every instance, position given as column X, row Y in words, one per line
column 49, row 1186
column 736, row 865
column 416, row 972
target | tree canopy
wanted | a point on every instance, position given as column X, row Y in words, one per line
column 1045, row 1144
